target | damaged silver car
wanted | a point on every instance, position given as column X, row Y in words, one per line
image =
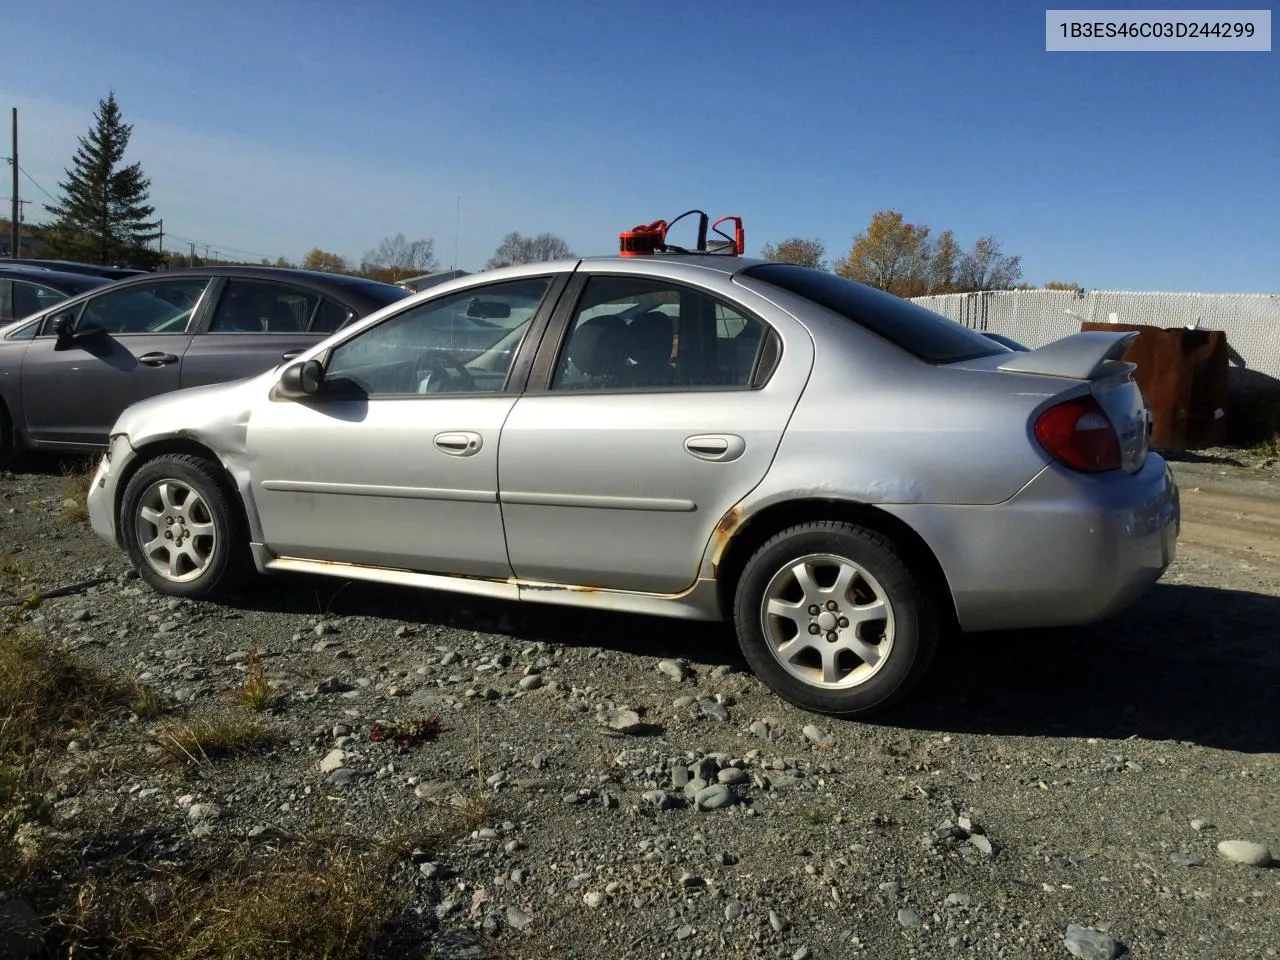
column 842, row 474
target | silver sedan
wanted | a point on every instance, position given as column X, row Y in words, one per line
column 842, row 474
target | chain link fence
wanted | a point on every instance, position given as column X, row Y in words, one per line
column 1251, row 322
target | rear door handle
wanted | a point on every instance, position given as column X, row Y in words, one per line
column 462, row 443
column 157, row 359
column 716, row 447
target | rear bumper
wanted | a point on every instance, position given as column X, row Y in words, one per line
column 1067, row 549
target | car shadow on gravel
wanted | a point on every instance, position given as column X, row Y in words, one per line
column 1185, row 663
column 645, row 636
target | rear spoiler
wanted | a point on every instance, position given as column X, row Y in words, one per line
column 1081, row 356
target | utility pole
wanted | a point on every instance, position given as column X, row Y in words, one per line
column 192, row 261
column 162, row 234
column 15, row 232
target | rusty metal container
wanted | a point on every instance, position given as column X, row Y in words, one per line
column 1183, row 375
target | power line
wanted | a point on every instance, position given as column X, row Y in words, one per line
column 222, row 247
column 202, row 243
column 37, row 183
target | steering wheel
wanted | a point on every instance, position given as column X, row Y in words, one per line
column 440, row 365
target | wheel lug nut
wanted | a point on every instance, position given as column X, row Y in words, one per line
column 168, row 534
column 814, row 610
column 832, row 605
column 843, row 621
column 832, row 637
column 814, row 629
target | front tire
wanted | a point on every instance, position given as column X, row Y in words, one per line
column 182, row 528
column 10, row 449
column 831, row 617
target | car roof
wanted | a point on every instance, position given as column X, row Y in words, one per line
column 51, row 277
column 80, row 267
column 715, row 262
column 339, row 284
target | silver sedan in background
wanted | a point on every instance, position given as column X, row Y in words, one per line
column 842, row 474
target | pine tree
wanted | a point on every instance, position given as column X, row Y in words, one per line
column 104, row 214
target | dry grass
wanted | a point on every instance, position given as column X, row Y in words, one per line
column 43, row 693
column 319, row 900
column 470, row 809
column 255, row 691
column 145, row 701
column 200, row 743
column 332, row 898
column 74, row 492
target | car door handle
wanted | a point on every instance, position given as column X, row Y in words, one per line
column 460, row 444
column 290, row 354
column 157, row 359
column 717, row 447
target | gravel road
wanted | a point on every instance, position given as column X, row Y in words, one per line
column 1044, row 794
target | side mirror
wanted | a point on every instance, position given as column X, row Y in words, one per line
column 301, row 380
column 64, row 329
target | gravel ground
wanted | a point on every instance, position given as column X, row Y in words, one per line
column 1044, row 794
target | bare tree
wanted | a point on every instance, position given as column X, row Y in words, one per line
column 797, row 250
column 396, row 258
column 986, row 268
column 515, row 248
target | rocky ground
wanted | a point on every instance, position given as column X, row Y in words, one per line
column 626, row 789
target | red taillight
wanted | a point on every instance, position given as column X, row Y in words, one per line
column 1078, row 433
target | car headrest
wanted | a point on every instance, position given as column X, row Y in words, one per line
column 650, row 339
column 599, row 347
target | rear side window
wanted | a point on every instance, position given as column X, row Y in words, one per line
column 331, row 316
column 252, row 306
column 923, row 333
column 634, row 333
column 29, row 298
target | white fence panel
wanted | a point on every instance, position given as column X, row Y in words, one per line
column 1251, row 321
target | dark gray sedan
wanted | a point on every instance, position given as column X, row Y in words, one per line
column 67, row 372
column 26, row 290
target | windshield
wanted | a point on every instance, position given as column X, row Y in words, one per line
column 922, row 333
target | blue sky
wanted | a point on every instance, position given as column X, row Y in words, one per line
column 269, row 128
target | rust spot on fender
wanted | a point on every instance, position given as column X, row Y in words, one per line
column 722, row 534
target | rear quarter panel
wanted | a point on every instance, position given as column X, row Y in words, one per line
column 875, row 425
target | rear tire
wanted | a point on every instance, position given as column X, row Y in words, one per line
column 183, row 529
column 833, row 620
column 10, row 449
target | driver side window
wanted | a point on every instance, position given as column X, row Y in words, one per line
column 463, row 343
column 162, row 307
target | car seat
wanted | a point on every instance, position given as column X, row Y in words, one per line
column 598, row 349
column 650, row 339
column 281, row 318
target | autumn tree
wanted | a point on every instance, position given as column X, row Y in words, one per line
column 515, row 248
column 325, row 261
column 397, row 258
column 806, row 253
column 104, row 214
column 943, row 259
column 1058, row 285
column 890, row 255
column 986, row 267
